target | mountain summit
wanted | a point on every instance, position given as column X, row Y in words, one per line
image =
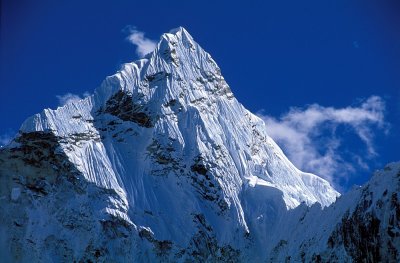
column 161, row 163
column 176, row 98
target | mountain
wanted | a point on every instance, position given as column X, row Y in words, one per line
column 163, row 164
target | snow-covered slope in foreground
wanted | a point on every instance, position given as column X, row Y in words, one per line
column 162, row 163
column 361, row 226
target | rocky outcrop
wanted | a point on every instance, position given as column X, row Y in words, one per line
column 371, row 232
column 123, row 106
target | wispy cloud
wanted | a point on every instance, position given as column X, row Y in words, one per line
column 70, row 97
column 143, row 44
column 6, row 137
column 310, row 136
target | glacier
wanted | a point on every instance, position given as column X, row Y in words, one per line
column 162, row 164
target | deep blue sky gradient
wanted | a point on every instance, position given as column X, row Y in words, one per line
column 274, row 54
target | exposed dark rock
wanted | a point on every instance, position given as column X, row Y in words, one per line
column 362, row 233
column 159, row 76
column 116, row 227
column 122, row 106
column 199, row 168
column 204, row 245
column 161, row 247
column 164, row 155
column 206, row 184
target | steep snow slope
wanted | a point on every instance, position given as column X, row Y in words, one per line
column 160, row 163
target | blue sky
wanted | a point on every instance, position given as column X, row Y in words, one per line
column 333, row 64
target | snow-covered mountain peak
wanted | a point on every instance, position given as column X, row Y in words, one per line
column 177, row 94
column 167, row 127
column 179, row 31
column 161, row 163
column 179, row 34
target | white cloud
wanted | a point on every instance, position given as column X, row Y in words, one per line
column 70, row 97
column 312, row 142
column 143, row 45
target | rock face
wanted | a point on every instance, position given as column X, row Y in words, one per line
column 163, row 164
